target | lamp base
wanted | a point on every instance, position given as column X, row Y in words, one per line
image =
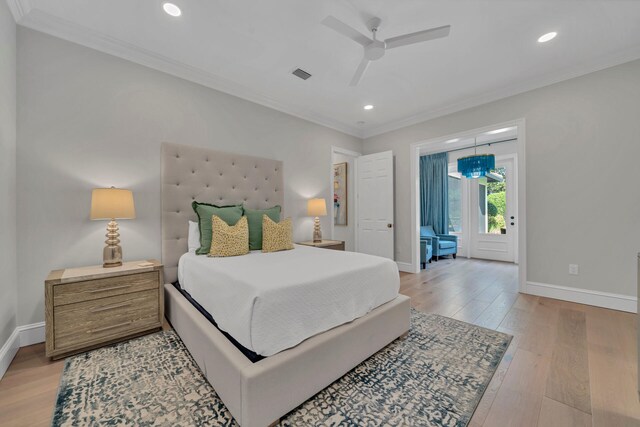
column 112, row 256
column 317, row 232
column 112, row 253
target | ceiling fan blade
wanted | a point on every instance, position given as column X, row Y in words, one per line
column 417, row 37
column 364, row 64
column 346, row 30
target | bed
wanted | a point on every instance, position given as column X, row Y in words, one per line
column 267, row 311
column 259, row 393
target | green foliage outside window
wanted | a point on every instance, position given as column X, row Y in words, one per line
column 496, row 204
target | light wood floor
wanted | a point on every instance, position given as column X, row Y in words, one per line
column 568, row 364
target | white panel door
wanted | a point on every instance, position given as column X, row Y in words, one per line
column 375, row 204
column 494, row 230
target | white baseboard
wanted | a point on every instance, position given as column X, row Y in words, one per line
column 31, row 334
column 584, row 296
column 22, row 336
column 405, row 266
column 8, row 351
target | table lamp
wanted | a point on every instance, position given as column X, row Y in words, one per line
column 317, row 208
column 112, row 203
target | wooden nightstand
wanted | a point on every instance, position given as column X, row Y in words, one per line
column 337, row 245
column 90, row 307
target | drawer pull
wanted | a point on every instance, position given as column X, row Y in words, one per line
column 109, row 307
column 113, row 288
column 106, row 328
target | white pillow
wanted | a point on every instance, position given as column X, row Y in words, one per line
column 193, row 242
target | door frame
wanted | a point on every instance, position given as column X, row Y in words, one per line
column 439, row 144
column 355, row 155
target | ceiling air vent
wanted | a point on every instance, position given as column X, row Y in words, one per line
column 301, row 73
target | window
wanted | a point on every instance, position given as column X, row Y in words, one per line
column 492, row 202
column 455, row 204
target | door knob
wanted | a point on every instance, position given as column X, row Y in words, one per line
column 513, row 223
column 389, row 225
column 513, row 217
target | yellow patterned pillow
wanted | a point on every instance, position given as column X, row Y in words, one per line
column 229, row 240
column 276, row 236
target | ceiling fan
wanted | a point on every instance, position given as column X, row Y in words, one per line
column 373, row 48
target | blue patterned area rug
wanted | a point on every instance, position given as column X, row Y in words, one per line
column 435, row 376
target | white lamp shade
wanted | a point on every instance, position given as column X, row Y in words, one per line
column 316, row 207
column 112, row 203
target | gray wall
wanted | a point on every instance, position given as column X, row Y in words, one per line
column 8, row 263
column 88, row 119
column 582, row 151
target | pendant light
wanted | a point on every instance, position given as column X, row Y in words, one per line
column 477, row 165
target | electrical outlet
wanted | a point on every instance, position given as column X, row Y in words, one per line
column 573, row 269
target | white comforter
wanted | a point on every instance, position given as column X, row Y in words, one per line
column 273, row 301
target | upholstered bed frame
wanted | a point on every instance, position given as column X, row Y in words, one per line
column 256, row 394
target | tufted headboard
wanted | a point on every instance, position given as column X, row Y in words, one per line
column 218, row 177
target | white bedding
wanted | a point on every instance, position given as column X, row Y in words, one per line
column 273, row 301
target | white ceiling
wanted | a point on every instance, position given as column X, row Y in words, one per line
column 249, row 48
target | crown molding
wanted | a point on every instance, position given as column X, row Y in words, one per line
column 19, row 9
column 601, row 63
column 44, row 22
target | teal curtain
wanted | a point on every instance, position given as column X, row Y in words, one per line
column 434, row 191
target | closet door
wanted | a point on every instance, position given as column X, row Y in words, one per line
column 375, row 233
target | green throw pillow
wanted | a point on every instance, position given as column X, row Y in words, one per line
column 229, row 214
column 255, row 224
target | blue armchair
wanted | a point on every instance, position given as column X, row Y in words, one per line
column 425, row 253
column 441, row 244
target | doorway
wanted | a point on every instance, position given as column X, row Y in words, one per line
column 486, row 214
column 363, row 193
column 342, row 207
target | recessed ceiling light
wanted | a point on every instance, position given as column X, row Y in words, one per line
column 172, row 9
column 451, row 141
column 547, row 37
column 493, row 132
column 368, row 107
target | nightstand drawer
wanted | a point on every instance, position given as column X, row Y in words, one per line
column 95, row 289
column 338, row 247
column 80, row 324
